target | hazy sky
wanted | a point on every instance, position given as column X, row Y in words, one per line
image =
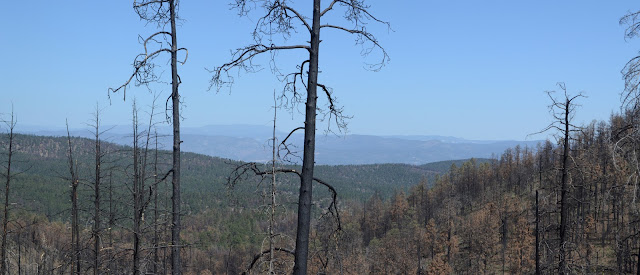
column 471, row 69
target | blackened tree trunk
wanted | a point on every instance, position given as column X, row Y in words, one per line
column 163, row 13
column 280, row 18
column 308, row 158
column 156, row 242
column 562, row 112
column 175, row 180
column 96, row 198
column 75, row 232
column 563, row 192
column 137, row 194
column 7, row 187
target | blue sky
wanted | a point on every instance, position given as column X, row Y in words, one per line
column 471, row 69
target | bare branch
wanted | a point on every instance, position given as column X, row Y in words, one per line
column 362, row 37
column 259, row 255
column 241, row 58
column 142, row 71
column 290, row 133
column 242, row 172
column 330, row 7
column 285, row 146
column 304, row 22
column 335, row 112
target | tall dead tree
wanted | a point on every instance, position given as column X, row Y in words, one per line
column 631, row 70
column 156, row 239
column 97, row 221
column 11, row 124
column 137, row 191
column 141, row 197
column 563, row 111
column 164, row 14
column 282, row 18
column 75, row 231
column 630, row 141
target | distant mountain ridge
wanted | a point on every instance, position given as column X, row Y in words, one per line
column 251, row 143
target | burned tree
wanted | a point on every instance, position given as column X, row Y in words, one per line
column 75, row 229
column 99, row 154
column 563, row 110
column 631, row 70
column 281, row 18
column 11, row 124
column 164, row 14
column 141, row 192
column 627, row 145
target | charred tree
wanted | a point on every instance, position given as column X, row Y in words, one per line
column 630, row 141
column 282, row 18
column 11, row 123
column 563, row 111
column 164, row 14
column 75, row 231
column 97, row 188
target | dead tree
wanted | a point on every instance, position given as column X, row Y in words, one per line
column 75, row 232
column 11, row 124
column 282, row 18
column 272, row 193
column 142, row 193
column 631, row 70
column 630, row 141
column 164, row 14
column 563, row 110
column 245, row 170
column 137, row 191
column 156, row 239
column 97, row 221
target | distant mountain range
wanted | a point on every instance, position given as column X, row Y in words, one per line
column 251, row 143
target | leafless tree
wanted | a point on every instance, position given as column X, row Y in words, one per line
column 563, row 111
column 280, row 17
column 628, row 145
column 142, row 191
column 631, row 70
column 164, row 14
column 99, row 155
column 11, row 124
column 75, row 231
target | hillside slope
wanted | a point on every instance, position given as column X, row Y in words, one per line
column 42, row 185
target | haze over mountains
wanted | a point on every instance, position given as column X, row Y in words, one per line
column 252, row 143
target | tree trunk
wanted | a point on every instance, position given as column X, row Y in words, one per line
column 308, row 159
column 563, row 193
column 5, row 220
column 137, row 194
column 155, row 208
column 537, row 236
column 96, row 215
column 175, row 180
column 75, row 232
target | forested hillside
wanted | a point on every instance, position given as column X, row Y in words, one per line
column 41, row 188
column 480, row 216
column 42, row 164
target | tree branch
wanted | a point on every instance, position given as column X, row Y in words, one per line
column 140, row 67
column 362, row 37
column 259, row 255
column 242, row 56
